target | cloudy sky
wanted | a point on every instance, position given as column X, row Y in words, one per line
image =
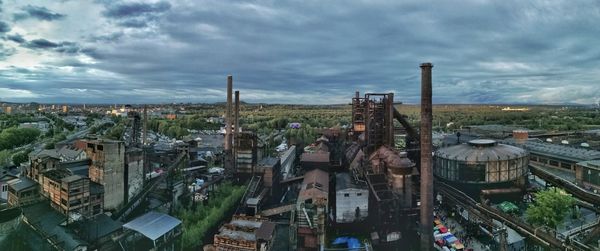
column 105, row 51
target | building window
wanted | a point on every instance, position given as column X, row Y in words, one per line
column 346, row 195
column 4, row 187
column 358, row 194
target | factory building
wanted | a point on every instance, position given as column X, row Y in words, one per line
column 351, row 199
column 245, row 233
column 587, row 174
column 246, row 153
column 271, row 170
column 41, row 162
column 552, row 155
column 311, row 211
column 72, row 195
column 107, row 169
column 482, row 164
column 23, row 192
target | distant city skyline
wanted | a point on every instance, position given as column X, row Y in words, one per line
column 304, row 52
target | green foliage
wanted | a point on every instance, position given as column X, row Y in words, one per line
column 304, row 135
column 116, row 133
column 15, row 137
column 549, row 208
column 50, row 145
column 21, row 157
column 5, row 158
column 179, row 127
column 197, row 222
column 551, row 118
column 59, row 123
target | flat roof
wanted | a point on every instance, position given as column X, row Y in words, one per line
column 268, row 161
column 344, row 181
column 315, row 157
column 23, row 184
column 560, row 151
column 153, row 224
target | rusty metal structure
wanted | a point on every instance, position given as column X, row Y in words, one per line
column 426, row 191
column 387, row 171
column 245, row 233
column 228, row 161
column 236, row 128
column 135, row 122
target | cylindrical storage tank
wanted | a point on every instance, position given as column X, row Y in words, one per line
column 481, row 161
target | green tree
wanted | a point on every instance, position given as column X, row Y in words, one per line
column 4, row 158
column 116, row 132
column 549, row 208
column 21, row 157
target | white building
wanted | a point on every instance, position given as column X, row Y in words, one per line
column 351, row 200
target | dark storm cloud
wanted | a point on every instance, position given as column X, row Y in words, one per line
column 40, row 44
column 17, row 38
column 65, row 47
column 136, row 14
column 125, row 10
column 109, row 38
column 500, row 52
column 4, row 27
column 37, row 12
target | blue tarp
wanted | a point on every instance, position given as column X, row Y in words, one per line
column 351, row 242
column 450, row 238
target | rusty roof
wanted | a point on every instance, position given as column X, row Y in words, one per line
column 315, row 185
column 265, row 231
column 315, row 157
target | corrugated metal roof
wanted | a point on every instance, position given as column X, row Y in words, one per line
column 265, row 231
column 481, row 152
column 315, row 185
column 153, row 224
column 23, row 183
column 558, row 151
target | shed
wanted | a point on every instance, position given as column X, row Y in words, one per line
column 154, row 225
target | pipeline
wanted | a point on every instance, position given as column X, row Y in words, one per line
column 521, row 227
column 413, row 135
column 579, row 192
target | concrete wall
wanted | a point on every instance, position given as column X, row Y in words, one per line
column 135, row 173
column 345, row 207
column 107, row 169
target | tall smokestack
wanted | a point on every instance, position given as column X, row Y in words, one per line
column 357, row 94
column 426, row 162
column 390, row 119
column 228, row 114
column 236, row 127
column 145, row 132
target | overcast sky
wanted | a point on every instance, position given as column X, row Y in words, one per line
column 313, row 52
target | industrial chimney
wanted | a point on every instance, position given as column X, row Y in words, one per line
column 426, row 160
column 236, row 131
column 145, row 132
column 228, row 114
